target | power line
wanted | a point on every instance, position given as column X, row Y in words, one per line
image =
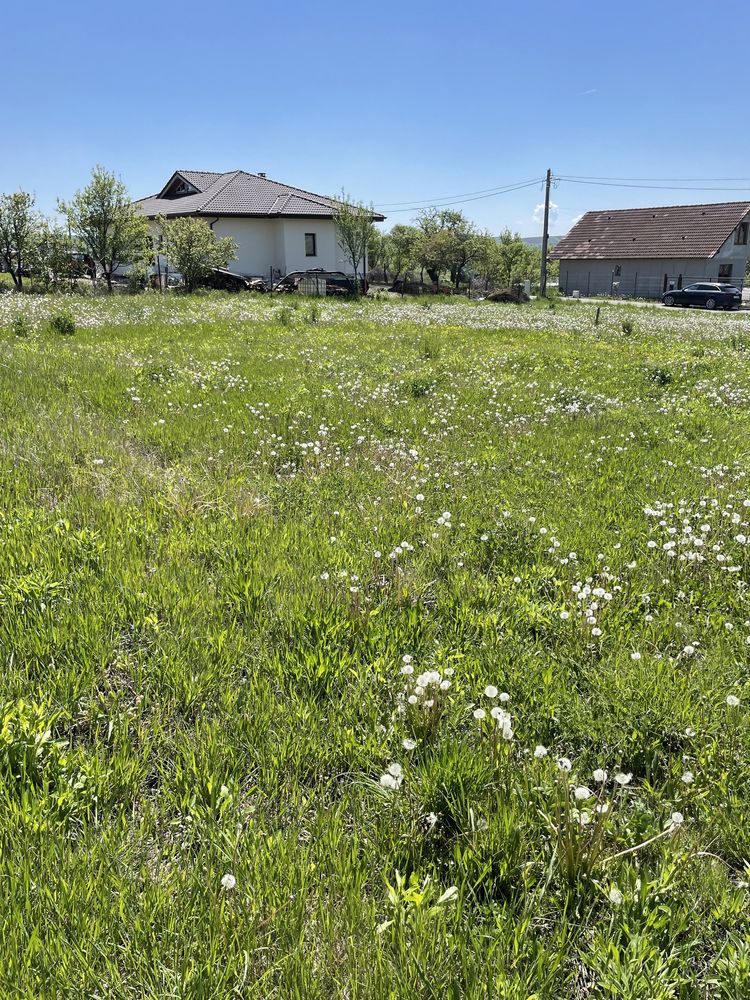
column 646, row 183
column 651, row 187
column 464, row 194
column 664, row 180
column 458, row 200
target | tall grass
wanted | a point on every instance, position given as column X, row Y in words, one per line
column 380, row 652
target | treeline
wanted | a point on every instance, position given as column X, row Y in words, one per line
column 445, row 244
column 101, row 233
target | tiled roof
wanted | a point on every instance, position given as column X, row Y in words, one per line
column 238, row 193
column 672, row 231
column 200, row 179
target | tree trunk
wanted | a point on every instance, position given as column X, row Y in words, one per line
column 108, row 276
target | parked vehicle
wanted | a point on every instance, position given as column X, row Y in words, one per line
column 231, row 281
column 82, row 265
column 336, row 282
column 707, row 294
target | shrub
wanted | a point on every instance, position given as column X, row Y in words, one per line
column 137, row 278
column 314, row 313
column 628, row 327
column 286, row 316
column 21, row 326
column 63, row 323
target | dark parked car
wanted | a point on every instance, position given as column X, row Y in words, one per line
column 231, row 281
column 336, row 282
column 708, row 294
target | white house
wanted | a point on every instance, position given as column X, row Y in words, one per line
column 646, row 251
column 275, row 226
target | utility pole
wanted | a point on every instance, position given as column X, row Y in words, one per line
column 545, row 237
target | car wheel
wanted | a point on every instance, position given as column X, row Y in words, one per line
column 669, row 300
column 710, row 303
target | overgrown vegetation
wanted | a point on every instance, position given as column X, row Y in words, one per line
column 373, row 651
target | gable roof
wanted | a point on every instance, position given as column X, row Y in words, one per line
column 236, row 193
column 670, row 231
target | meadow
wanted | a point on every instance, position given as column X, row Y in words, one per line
column 373, row 650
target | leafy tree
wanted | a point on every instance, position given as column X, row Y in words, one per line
column 107, row 225
column 488, row 263
column 353, row 228
column 404, row 241
column 379, row 251
column 193, row 249
column 53, row 260
column 448, row 243
column 515, row 257
column 20, row 230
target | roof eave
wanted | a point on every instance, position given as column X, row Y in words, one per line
column 250, row 215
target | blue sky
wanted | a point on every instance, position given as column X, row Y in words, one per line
column 393, row 102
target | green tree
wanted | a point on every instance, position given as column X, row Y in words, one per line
column 404, row 241
column 448, row 243
column 53, row 260
column 107, row 225
column 379, row 251
column 515, row 258
column 193, row 249
column 488, row 263
column 20, row 230
column 353, row 229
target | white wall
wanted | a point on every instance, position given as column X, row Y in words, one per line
column 280, row 243
column 329, row 254
column 259, row 241
column 734, row 254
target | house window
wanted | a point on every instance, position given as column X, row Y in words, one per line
column 725, row 271
column 311, row 249
column 618, row 270
column 741, row 237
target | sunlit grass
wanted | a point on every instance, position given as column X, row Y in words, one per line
column 321, row 627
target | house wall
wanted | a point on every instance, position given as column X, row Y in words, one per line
column 734, row 254
column 260, row 244
column 645, row 278
column 279, row 243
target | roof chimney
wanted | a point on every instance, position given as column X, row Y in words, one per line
column 261, row 173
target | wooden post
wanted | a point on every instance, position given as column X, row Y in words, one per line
column 545, row 237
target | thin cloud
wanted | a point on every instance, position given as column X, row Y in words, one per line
column 554, row 211
column 585, row 92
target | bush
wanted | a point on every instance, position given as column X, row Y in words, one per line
column 137, row 278
column 286, row 315
column 628, row 327
column 63, row 323
column 21, row 326
column 508, row 295
column 313, row 313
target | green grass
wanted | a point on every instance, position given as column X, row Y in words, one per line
column 205, row 605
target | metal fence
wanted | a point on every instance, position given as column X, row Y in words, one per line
column 639, row 286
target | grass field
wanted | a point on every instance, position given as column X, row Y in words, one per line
column 374, row 651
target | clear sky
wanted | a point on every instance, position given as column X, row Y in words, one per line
column 394, row 102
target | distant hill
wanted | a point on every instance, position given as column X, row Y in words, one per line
column 536, row 241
